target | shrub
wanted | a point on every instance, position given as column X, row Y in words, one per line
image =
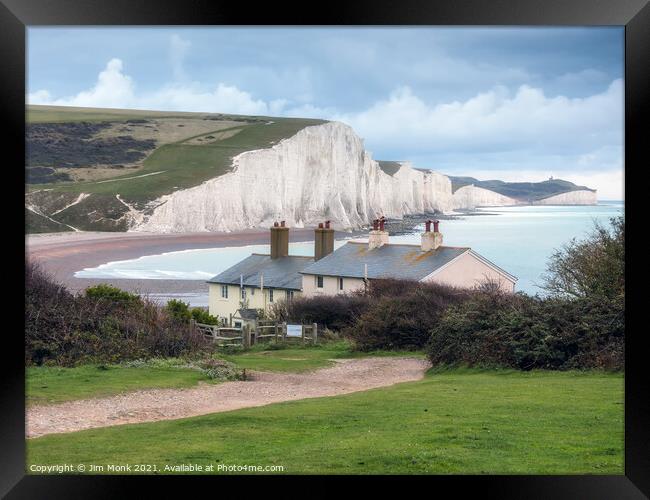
column 523, row 332
column 112, row 294
column 203, row 316
column 179, row 310
column 330, row 311
column 401, row 314
column 104, row 324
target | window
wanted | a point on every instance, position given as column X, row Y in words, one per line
column 243, row 293
column 289, row 294
column 319, row 281
column 340, row 283
column 252, row 291
column 270, row 294
column 237, row 324
column 224, row 291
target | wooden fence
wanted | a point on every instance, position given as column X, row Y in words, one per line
column 245, row 336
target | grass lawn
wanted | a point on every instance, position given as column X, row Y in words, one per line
column 46, row 384
column 56, row 384
column 298, row 358
column 457, row 421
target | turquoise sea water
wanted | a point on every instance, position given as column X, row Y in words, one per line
column 519, row 239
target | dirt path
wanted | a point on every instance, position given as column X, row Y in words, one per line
column 350, row 375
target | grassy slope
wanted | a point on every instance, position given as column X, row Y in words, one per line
column 57, row 384
column 525, row 191
column 451, row 422
column 182, row 165
column 298, row 359
column 59, row 114
column 54, row 384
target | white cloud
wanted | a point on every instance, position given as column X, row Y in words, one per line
column 495, row 119
column 115, row 89
column 178, row 49
column 521, row 135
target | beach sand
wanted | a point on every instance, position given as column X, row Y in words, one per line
column 63, row 254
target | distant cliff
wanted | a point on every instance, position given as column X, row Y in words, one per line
column 579, row 197
column 226, row 173
column 526, row 192
column 321, row 172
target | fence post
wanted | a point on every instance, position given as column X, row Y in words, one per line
column 284, row 331
column 276, row 332
column 314, row 332
column 246, row 334
column 192, row 326
column 302, row 331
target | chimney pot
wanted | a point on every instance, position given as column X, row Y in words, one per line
column 435, row 226
column 427, row 226
column 275, row 224
column 381, row 223
column 320, row 225
column 327, row 224
column 281, row 223
column 375, row 224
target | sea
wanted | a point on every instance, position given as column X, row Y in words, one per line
column 519, row 239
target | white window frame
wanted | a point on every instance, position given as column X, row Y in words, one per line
column 270, row 294
column 224, row 291
column 320, row 281
column 340, row 283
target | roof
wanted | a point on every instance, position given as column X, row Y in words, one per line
column 248, row 313
column 388, row 261
column 283, row 272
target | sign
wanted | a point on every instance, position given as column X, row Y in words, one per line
column 294, row 330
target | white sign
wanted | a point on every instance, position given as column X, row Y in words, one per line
column 294, row 330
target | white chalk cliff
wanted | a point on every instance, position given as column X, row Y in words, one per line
column 578, row 197
column 470, row 197
column 322, row 172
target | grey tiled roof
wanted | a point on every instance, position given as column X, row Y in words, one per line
column 387, row 261
column 278, row 273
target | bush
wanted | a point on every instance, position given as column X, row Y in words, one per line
column 334, row 312
column 523, row 332
column 179, row 310
column 112, row 294
column 203, row 316
column 401, row 314
column 103, row 325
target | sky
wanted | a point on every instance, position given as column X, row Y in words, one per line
column 516, row 104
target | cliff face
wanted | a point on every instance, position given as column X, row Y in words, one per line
column 470, row 197
column 581, row 197
column 321, row 172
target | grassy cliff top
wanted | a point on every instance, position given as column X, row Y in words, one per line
column 525, row 191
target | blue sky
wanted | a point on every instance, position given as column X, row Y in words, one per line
column 517, row 104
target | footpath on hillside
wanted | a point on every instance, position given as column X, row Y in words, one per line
column 263, row 388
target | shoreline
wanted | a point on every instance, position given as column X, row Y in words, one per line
column 63, row 254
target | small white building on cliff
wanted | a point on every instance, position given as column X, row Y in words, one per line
column 261, row 280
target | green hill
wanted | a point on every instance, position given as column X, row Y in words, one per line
column 524, row 191
column 136, row 155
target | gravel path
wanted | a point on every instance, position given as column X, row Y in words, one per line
column 349, row 375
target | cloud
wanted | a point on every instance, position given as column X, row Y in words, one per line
column 115, row 89
column 494, row 120
column 498, row 133
column 178, row 49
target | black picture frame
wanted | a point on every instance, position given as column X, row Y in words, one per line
column 16, row 15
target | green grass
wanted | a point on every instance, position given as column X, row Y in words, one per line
column 61, row 114
column 46, row 384
column 57, row 384
column 297, row 358
column 459, row 421
column 180, row 165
